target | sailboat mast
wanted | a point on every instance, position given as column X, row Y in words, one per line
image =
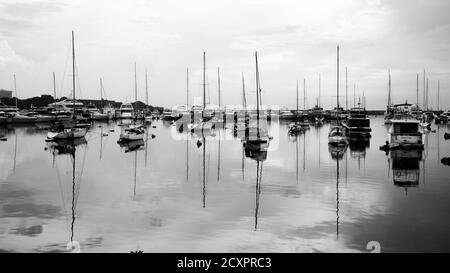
column 101, row 92
column 318, row 101
column 417, row 90
column 389, row 95
column 438, row 96
column 73, row 73
column 15, row 89
column 54, row 86
column 187, row 87
column 146, row 87
column 135, row 85
column 354, row 95
column 424, row 87
column 218, row 82
column 304, row 94
column 244, row 99
column 204, row 82
column 427, row 95
column 297, row 99
column 337, row 84
column 346, row 90
column 257, row 89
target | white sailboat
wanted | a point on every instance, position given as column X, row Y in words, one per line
column 74, row 131
column 132, row 132
column 337, row 137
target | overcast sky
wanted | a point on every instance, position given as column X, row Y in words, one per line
column 295, row 40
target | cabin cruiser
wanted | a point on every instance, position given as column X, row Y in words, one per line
column 405, row 134
column 110, row 111
column 170, row 115
column 66, row 105
column 126, row 111
column 357, row 123
column 19, row 118
column 93, row 113
column 286, row 115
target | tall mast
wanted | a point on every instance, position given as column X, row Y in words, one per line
column 15, row 88
column 244, row 99
column 304, row 94
column 297, row 99
column 417, row 90
column 389, row 95
column 146, row 87
column 427, row 95
column 135, row 85
column 438, row 96
column 424, row 87
column 257, row 93
column 73, row 73
column 318, row 102
column 54, row 86
column 354, row 95
column 204, row 82
column 187, row 87
column 346, row 90
column 218, row 82
column 101, row 92
column 337, row 83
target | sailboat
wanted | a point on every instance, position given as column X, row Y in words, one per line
column 259, row 143
column 76, row 130
column 337, row 137
column 203, row 123
column 133, row 132
column 299, row 126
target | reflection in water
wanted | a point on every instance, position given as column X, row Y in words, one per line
column 69, row 147
column 406, row 167
column 364, row 209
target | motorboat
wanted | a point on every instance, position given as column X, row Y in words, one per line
column 405, row 134
column 357, row 123
column 126, row 111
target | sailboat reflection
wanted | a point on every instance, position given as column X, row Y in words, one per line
column 68, row 147
column 406, row 167
column 132, row 145
column 337, row 153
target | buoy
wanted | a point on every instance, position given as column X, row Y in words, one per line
column 199, row 143
column 153, row 136
column 112, row 130
column 154, row 126
column 105, row 134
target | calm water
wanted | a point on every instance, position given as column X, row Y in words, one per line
column 155, row 198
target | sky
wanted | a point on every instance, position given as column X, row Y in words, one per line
column 295, row 40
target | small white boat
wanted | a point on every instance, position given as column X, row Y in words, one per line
column 337, row 136
column 132, row 133
column 70, row 133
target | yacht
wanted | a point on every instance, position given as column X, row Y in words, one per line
column 126, row 111
column 405, row 133
column 357, row 123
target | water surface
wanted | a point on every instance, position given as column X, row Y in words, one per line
column 159, row 198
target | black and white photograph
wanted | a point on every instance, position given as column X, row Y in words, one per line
column 213, row 126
